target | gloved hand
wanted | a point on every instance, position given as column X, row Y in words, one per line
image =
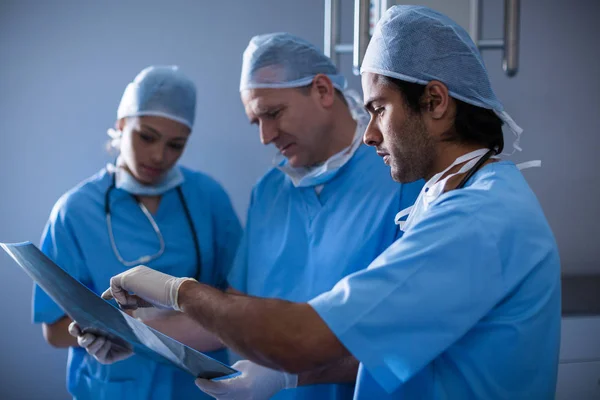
column 99, row 347
column 150, row 288
column 254, row 383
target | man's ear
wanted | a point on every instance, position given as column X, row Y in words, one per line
column 436, row 100
column 324, row 90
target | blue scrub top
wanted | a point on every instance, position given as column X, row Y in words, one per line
column 298, row 244
column 76, row 239
column 466, row 305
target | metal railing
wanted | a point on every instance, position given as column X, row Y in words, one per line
column 368, row 12
column 365, row 13
column 509, row 43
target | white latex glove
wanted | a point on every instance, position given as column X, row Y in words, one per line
column 254, row 383
column 99, row 347
column 148, row 287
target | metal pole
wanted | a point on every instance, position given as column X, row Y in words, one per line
column 385, row 4
column 510, row 62
column 361, row 33
column 331, row 29
column 485, row 44
column 374, row 14
column 475, row 20
column 344, row 48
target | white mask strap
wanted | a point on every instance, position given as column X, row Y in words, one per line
column 402, row 214
column 529, row 164
column 459, row 160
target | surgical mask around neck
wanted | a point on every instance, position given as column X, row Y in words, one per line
column 435, row 187
column 321, row 174
column 127, row 182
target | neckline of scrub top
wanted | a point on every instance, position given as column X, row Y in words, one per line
column 118, row 196
column 315, row 203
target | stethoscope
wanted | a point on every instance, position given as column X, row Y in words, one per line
column 476, row 167
column 147, row 258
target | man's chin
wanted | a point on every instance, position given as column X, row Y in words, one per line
column 397, row 178
column 295, row 162
column 402, row 176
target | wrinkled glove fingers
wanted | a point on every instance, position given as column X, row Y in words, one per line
column 103, row 352
column 213, row 388
column 91, row 343
column 85, row 340
column 117, row 292
column 74, row 329
column 125, row 300
column 107, row 294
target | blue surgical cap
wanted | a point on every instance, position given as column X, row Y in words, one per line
column 281, row 60
column 417, row 44
column 162, row 91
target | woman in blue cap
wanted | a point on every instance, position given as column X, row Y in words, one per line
column 144, row 209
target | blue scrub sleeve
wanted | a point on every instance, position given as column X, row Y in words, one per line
column 227, row 238
column 418, row 297
column 238, row 275
column 60, row 244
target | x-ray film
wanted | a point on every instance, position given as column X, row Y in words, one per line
column 93, row 314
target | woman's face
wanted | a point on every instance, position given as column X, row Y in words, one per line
column 150, row 146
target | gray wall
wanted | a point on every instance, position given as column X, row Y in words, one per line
column 555, row 98
column 64, row 64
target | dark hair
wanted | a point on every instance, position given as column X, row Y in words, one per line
column 472, row 124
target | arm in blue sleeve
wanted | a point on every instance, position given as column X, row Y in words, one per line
column 418, row 298
column 60, row 244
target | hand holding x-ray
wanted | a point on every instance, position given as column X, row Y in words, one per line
column 98, row 346
column 254, row 383
column 98, row 318
column 144, row 287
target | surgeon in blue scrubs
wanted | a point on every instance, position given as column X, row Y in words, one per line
column 326, row 196
column 466, row 304
column 144, row 209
